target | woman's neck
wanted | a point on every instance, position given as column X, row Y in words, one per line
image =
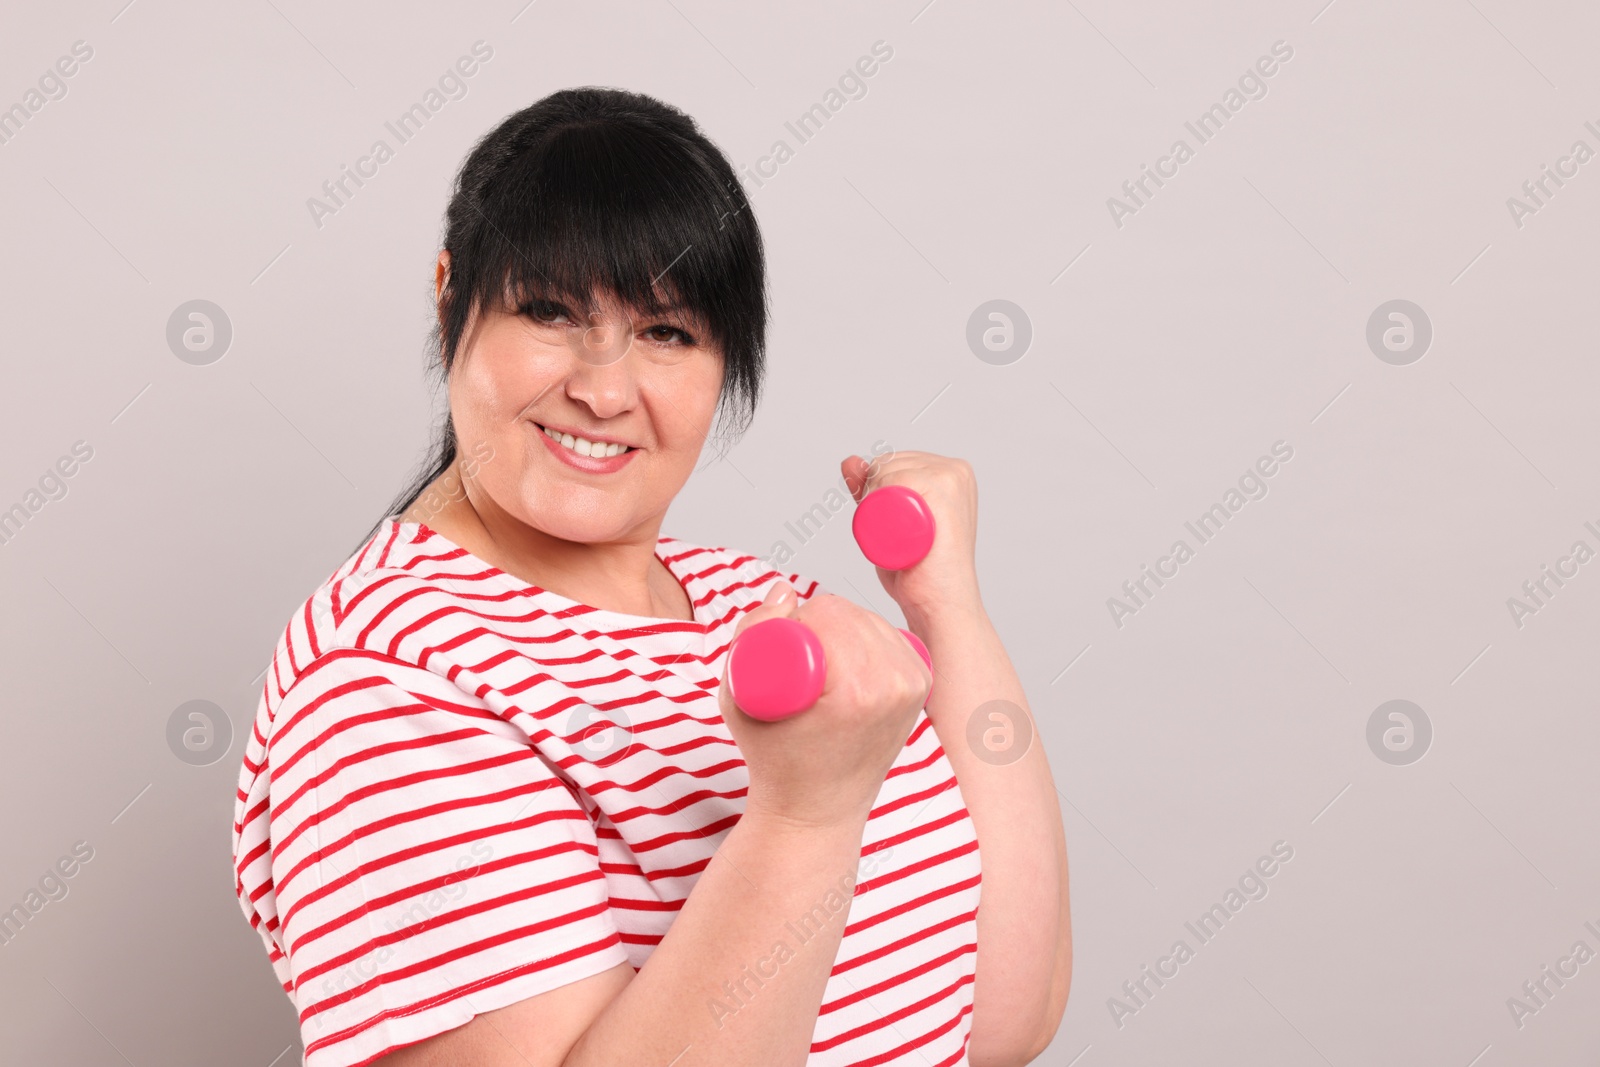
column 624, row 577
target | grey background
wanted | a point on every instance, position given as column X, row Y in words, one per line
column 1167, row 355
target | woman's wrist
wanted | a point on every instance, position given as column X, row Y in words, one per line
column 952, row 614
column 819, row 828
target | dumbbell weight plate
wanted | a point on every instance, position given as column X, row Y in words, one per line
column 776, row 669
column 894, row 527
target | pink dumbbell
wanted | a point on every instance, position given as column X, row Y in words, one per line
column 776, row 668
column 894, row 527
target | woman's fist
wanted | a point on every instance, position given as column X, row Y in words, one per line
column 826, row 765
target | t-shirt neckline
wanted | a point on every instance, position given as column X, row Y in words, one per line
column 565, row 608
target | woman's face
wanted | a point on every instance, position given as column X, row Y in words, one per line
column 649, row 383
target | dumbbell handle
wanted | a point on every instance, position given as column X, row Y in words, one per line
column 776, row 668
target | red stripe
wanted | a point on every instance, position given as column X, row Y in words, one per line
column 455, row 994
column 672, row 807
column 901, row 1050
column 437, row 845
column 897, row 980
column 311, row 630
column 449, row 915
column 687, row 870
column 641, row 730
column 911, row 798
column 429, row 884
column 316, row 817
column 387, row 579
column 913, row 868
column 384, row 714
column 626, row 904
column 920, row 830
column 339, row 655
column 900, row 909
column 288, row 646
column 893, row 1017
column 641, row 939
column 356, row 759
column 651, row 844
column 383, row 557
column 660, row 774
column 421, row 967
column 354, row 568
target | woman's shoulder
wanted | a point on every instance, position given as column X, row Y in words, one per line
column 399, row 561
column 330, row 638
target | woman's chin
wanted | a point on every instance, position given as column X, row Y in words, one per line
column 566, row 521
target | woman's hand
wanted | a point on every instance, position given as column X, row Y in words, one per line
column 947, row 577
column 824, row 767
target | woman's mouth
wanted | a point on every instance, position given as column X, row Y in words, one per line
column 586, row 455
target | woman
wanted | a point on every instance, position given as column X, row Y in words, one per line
column 498, row 807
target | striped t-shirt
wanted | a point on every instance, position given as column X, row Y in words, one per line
column 463, row 790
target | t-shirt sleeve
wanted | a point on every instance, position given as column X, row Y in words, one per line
column 427, row 863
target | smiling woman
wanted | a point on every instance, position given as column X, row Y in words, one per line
column 499, row 807
column 596, row 225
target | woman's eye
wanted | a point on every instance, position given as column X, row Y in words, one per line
column 544, row 311
column 664, row 335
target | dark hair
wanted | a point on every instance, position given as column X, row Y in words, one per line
column 602, row 191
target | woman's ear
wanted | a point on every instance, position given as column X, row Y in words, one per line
column 441, row 278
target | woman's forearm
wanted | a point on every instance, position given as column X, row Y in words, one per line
column 740, row 974
column 1024, row 920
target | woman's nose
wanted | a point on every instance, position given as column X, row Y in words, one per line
column 603, row 380
column 605, row 341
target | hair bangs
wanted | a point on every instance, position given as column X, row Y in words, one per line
column 592, row 213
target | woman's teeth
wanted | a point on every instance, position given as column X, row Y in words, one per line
column 584, row 447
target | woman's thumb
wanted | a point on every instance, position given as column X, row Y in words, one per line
column 782, row 598
column 780, row 602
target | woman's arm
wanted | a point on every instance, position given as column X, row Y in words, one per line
column 730, row 984
column 1024, row 919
